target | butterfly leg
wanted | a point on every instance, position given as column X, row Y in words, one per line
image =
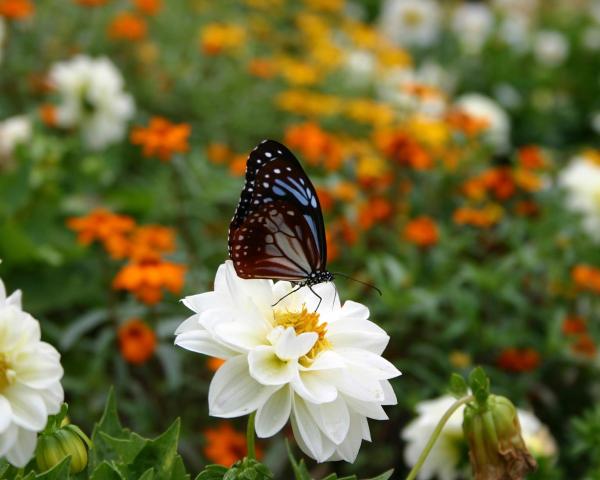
column 287, row 295
column 318, row 296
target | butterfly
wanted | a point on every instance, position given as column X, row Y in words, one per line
column 277, row 231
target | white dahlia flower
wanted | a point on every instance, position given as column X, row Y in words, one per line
column 443, row 461
column 581, row 181
column 411, row 22
column 30, row 374
column 92, row 99
column 321, row 368
column 550, row 48
column 13, row 131
column 472, row 23
column 497, row 133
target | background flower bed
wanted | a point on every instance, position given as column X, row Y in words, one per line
column 457, row 217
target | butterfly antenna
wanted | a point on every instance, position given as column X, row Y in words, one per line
column 287, row 295
column 358, row 281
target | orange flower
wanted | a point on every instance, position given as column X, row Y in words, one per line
column 137, row 341
column 316, row 145
column 225, row 446
column 127, row 26
column 91, row 3
column 574, row 325
column 586, row 277
column 101, row 225
column 147, row 278
column 465, row 123
column 585, row 345
column 262, row 68
column 16, row 9
column 325, row 199
column 422, row 231
column 375, row 210
column 47, row 113
column 214, row 363
column 403, row 149
column 218, row 38
column 237, row 166
column 531, row 157
column 218, row 153
column 162, row 138
column 485, row 217
column 527, row 208
column 519, row 360
column 148, row 7
column 150, row 242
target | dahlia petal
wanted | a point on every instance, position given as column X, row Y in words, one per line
column 348, row 449
column 292, row 346
column 366, row 432
column 41, row 369
column 307, row 432
column 333, row 418
column 326, row 360
column 28, row 408
column 357, row 333
column 23, row 448
column 274, row 414
column 53, row 397
column 315, row 386
column 330, row 300
column 389, row 397
column 240, row 336
column 201, row 341
column 5, row 415
column 354, row 311
column 268, row 369
column 189, row 324
column 8, row 438
column 204, row 301
column 233, row 392
column 358, row 384
column 376, row 366
column 367, row 409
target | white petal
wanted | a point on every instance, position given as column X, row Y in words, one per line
column 41, row 369
column 332, row 418
column 372, row 364
column 307, row 433
column 233, row 392
column 367, row 409
column 389, row 394
column 330, row 300
column 23, row 448
column 366, row 432
column 28, row 407
column 14, row 299
column 53, row 397
column 357, row 333
column 315, row 386
column 326, row 360
column 354, row 311
column 8, row 438
column 268, row 369
column 274, row 414
column 359, row 385
column 241, row 334
column 292, row 346
column 5, row 415
column 189, row 324
column 348, row 450
column 201, row 341
column 204, row 301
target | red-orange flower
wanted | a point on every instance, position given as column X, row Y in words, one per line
column 262, row 68
column 218, row 153
column 16, row 9
column 375, row 210
column 574, row 325
column 586, row 277
column 147, row 279
column 127, row 26
column 316, row 145
column 137, row 341
column 47, row 113
column 403, row 149
column 218, row 38
column 519, row 360
column 422, row 231
column 465, row 123
column 103, row 226
column 214, row 363
column 148, row 7
column 585, row 346
column 149, row 242
column 162, row 138
column 484, row 217
column 225, row 446
column 531, row 157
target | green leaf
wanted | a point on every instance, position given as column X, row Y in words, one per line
column 148, row 475
column 59, row 472
column 54, row 421
column 105, row 471
column 126, row 448
column 212, row 472
column 458, row 386
column 383, row 476
column 479, row 384
column 300, row 470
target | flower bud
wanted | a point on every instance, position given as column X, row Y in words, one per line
column 496, row 448
column 248, row 469
column 66, row 441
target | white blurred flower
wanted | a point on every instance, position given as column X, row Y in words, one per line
column 550, row 48
column 321, row 368
column 13, row 131
column 30, row 374
column 93, row 99
column 361, row 65
column 411, row 22
column 472, row 23
column 444, row 458
column 581, row 181
column 497, row 133
column 514, row 31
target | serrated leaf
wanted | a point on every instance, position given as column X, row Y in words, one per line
column 479, row 384
column 212, row 472
column 160, row 453
column 178, row 472
column 383, row 476
column 126, row 448
column 60, row 471
column 458, row 385
column 105, row 471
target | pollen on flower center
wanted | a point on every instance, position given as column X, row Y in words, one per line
column 304, row 322
column 7, row 374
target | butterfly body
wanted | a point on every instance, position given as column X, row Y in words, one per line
column 277, row 231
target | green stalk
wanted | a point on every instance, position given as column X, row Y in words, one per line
column 250, row 437
column 436, row 433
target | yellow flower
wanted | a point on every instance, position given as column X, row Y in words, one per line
column 217, row 38
column 364, row 110
column 326, row 5
column 302, row 102
column 429, row 131
column 298, row 73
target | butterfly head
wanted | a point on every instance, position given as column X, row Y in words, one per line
column 317, row 277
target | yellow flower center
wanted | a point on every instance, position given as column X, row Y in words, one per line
column 304, row 322
column 7, row 374
column 412, row 18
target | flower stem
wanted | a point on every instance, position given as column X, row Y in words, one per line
column 250, row 437
column 436, row 433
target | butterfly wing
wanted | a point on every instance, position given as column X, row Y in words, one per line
column 277, row 230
